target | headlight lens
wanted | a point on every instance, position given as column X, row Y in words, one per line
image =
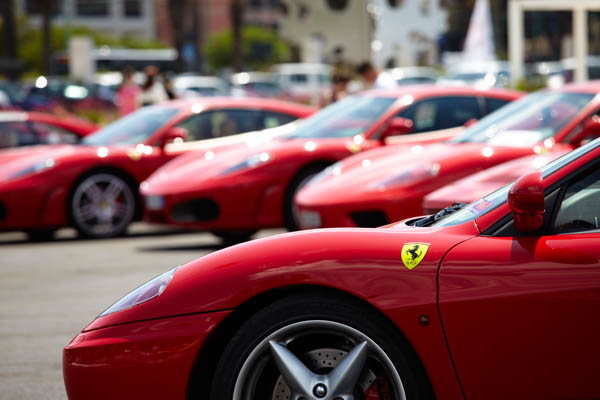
column 35, row 168
column 147, row 291
column 250, row 162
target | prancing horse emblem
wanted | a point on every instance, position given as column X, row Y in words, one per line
column 413, row 254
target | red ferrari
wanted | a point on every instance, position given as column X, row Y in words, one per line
column 473, row 187
column 93, row 186
column 493, row 301
column 237, row 192
column 385, row 185
column 29, row 128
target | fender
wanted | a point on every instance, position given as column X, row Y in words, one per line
column 365, row 263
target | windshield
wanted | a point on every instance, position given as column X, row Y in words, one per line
column 500, row 196
column 527, row 121
column 134, row 128
column 348, row 117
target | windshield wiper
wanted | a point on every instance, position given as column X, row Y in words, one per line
column 440, row 215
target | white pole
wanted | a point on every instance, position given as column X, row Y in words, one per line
column 516, row 40
column 580, row 41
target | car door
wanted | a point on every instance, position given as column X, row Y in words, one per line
column 438, row 118
column 520, row 311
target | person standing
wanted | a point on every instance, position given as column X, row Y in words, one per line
column 373, row 79
column 153, row 92
column 128, row 93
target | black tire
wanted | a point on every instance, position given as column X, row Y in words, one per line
column 234, row 237
column 40, row 235
column 290, row 219
column 246, row 367
column 102, row 205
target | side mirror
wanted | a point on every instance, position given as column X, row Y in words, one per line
column 397, row 126
column 470, row 122
column 526, row 200
column 173, row 134
column 590, row 129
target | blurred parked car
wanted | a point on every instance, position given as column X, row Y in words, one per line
column 190, row 85
column 414, row 75
column 480, row 184
column 303, row 82
column 452, row 307
column 204, row 191
column 385, row 185
column 255, row 84
column 93, row 186
column 29, row 128
column 492, row 74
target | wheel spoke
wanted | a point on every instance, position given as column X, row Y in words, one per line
column 119, row 209
column 87, row 212
column 113, row 190
column 93, row 192
column 298, row 377
column 343, row 378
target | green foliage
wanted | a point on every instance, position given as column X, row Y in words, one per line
column 30, row 42
column 261, row 48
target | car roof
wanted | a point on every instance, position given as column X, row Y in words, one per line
column 222, row 101
column 582, row 87
column 420, row 91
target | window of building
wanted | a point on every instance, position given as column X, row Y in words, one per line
column 337, row 5
column 132, row 8
column 32, row 7
column 92, row 8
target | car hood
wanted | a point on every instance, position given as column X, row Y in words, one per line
column 16, row 160
column 478, row 185
column 363, row 262
column 203, row 166
column 418, row 169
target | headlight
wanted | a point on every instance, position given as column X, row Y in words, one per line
column 35, row 168
column 147, row 291
column 250, row 162
column 411, row 175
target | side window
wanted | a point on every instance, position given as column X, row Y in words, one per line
column 215, row 124
column 492, row 104
column 17, row 133
column 271, row 119
column 50, row 134
column 441, row 113
column 580, row 207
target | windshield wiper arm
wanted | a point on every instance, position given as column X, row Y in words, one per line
column 440, row 215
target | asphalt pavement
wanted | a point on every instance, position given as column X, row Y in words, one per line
column 50, row 290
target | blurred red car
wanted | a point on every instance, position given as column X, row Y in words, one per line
column 93, row 186
column 476, row 186
column 493, row 301
column 29, row 128
column 252, row 187
column 385, row 185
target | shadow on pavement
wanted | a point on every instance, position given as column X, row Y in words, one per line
column 185, row 247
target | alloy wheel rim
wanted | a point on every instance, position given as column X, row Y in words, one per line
column 103, row 205
column 311, row 371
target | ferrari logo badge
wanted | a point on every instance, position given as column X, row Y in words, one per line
column 134, row 155
column 353, row 147
column 413, row 254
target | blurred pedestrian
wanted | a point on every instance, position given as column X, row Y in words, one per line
column 168, row 82
column 339, row 88
column 128, row 94
column 153, row 92
column 373, row 79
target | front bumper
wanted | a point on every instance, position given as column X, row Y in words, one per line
column 141, row 360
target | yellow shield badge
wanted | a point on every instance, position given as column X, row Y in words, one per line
column 413, row 253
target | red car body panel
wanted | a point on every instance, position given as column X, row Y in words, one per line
column 476, row 186
column 337, row 198
column 263, row 188
column 509, row 315
column 72, row 124
column 40, row 200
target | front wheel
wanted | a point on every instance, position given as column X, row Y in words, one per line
column 314, row 349
column 102, row 205
column 291, row 218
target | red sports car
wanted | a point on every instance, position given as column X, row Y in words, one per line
column 384, row 185
column 493, row 301
column 473, row 187
column 93, row 186
column 28, row 128
column 237, row 192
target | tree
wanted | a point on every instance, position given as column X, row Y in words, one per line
column 237, row 23
column 261, row 48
